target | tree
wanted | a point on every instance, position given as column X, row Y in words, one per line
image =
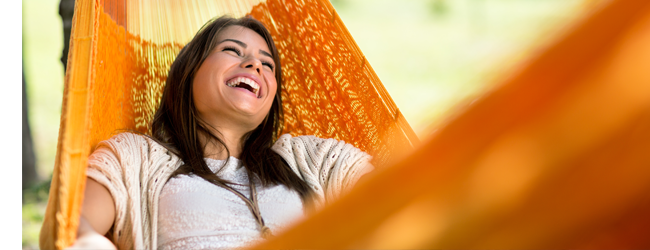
column 66, row 11
column 29, row 158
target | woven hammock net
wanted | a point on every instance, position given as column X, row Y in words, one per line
column 555, row 156
column 330, row 90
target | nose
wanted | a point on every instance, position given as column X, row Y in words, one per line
column 252, row 63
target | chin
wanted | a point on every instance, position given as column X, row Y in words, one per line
column 251, row 124
column 251, row 116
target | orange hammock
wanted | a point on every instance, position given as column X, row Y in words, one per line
column 556, row 157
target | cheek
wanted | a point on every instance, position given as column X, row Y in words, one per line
column 200, row 83
column 204, row 91
column 273, row 85
column 198, row 92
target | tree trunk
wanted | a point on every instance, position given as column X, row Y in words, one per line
column 66, row 11
column 29, row 159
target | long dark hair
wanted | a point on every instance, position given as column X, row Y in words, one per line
column 177, row 126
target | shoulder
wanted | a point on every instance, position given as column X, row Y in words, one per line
column 315, row 149
column 129, row 144
column 286, row 142
column 329, row 166
column 125, row 139
column 128, row 139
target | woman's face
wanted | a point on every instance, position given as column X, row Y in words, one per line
column 236, row 83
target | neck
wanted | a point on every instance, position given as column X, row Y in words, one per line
column 233, row 140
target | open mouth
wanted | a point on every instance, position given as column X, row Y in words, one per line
column 245, row 83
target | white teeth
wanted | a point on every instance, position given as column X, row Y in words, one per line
column 235, row 81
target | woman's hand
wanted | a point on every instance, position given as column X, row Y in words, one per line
column 92, row 241
column 87, row 238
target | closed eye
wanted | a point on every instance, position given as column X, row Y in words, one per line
column 268, row 64
column 233, row 49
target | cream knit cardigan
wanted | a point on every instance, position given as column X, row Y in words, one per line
column 134, row 169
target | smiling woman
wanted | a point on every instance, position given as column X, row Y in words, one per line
column 236, row 82
column 214, row 139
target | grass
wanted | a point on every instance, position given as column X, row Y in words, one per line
column 32, row 220
column 34, row 203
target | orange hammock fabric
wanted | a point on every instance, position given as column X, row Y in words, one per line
column 555, row 157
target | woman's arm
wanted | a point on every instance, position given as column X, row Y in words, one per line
column 98, row 207
column 97, row 217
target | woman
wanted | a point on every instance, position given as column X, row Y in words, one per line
column 211, row 176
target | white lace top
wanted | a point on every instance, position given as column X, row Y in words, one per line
column 196, row 214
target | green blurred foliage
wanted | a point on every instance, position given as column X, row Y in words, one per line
column 439, row 8
column 435, row 56
column 42, row 45
column 34, row 203
column 32, row 220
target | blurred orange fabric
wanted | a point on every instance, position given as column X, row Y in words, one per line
column 556, row 156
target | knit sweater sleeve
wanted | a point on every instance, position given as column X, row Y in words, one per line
column 329, row 166
column 115, row 164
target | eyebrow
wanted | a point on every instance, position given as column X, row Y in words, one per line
column 244, row 45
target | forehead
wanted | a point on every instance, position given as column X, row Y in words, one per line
column 243, row 34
